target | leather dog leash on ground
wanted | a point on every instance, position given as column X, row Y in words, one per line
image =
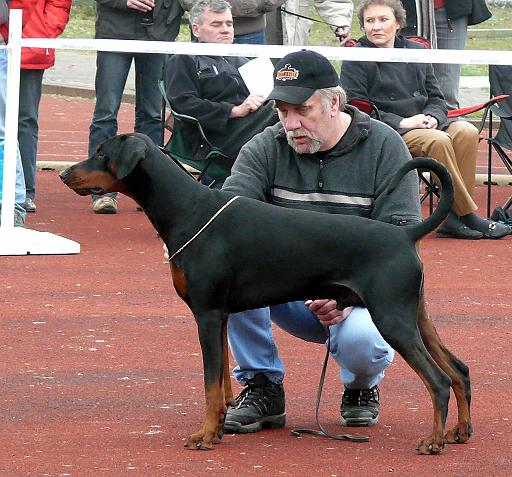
column 321, row 431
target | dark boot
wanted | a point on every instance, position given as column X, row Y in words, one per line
column 260, row 404
column 360, row 407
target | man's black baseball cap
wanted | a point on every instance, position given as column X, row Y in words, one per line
column 299, row 74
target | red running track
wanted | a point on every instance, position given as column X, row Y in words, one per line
column 101, row 367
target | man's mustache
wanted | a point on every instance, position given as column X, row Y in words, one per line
column 298, row 133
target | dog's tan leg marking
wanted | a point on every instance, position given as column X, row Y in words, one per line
column 209, row 432
column 434, row 443
column 447, row 362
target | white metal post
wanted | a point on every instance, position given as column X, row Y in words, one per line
column 11, row 120
column 20, row 240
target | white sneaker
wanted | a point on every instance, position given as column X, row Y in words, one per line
column 105, row 205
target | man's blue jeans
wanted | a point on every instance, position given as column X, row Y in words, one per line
column 112, row 70
column 255, row 38
column 356, row 345
column 20, row 180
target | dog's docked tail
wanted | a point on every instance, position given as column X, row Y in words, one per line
column 416, row 231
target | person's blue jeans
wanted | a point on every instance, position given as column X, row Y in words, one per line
column 451, row 36
column 356, row 345
column 112, row 70
column 31, row 84
column 20, row 181
column 255, row 38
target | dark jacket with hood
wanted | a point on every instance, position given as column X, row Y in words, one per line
column 399, row 90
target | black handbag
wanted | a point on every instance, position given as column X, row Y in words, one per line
column 502, row 215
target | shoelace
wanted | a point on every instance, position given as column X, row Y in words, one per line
column 256, row 397
column 364, row 397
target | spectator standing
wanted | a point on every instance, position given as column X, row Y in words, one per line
column 334, row 12
column 47, row 20
column 452, row 18
column 248, row 18
column 150, row 20
column 211, row 89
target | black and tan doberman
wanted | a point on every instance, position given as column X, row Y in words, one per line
column 231, row 253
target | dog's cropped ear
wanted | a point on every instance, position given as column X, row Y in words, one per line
column 132, row 150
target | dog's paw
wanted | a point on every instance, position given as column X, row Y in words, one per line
column 198, row 442
column 430, row 446
column 460, row 434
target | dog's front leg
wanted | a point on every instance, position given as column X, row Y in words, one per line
column 211, row 327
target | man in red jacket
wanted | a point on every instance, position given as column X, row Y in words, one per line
column 48, row 20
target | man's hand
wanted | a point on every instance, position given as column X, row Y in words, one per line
column 141, row 5
column 166, row 253
column 327, row 312
column 343, row 34
column 251, row 104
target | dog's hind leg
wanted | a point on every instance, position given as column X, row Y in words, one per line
column 228, row 391
column 211, row 327
column 398, row 327
column 455, row 369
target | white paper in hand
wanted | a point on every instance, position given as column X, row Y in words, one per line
column 258, row 75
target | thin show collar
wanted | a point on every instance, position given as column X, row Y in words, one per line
column 188, row 242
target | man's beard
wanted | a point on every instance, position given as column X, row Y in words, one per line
column 313, row 147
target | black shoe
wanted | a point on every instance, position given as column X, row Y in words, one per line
column 459, row 231
column 360, row 407
column 260, row 404
column 497, row 230
column 29, row 205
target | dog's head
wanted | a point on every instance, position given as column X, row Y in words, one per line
column 114, row 160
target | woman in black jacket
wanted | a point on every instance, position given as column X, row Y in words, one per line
column 410, row 101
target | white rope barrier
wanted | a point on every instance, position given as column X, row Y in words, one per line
column 470, row 57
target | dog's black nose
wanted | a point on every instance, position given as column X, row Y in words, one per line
column 63, row 175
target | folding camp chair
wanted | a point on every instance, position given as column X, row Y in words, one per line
column 431, row 189
column 500, row 79
column 189, row 145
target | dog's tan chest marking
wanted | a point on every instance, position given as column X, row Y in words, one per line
column 180, row 282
